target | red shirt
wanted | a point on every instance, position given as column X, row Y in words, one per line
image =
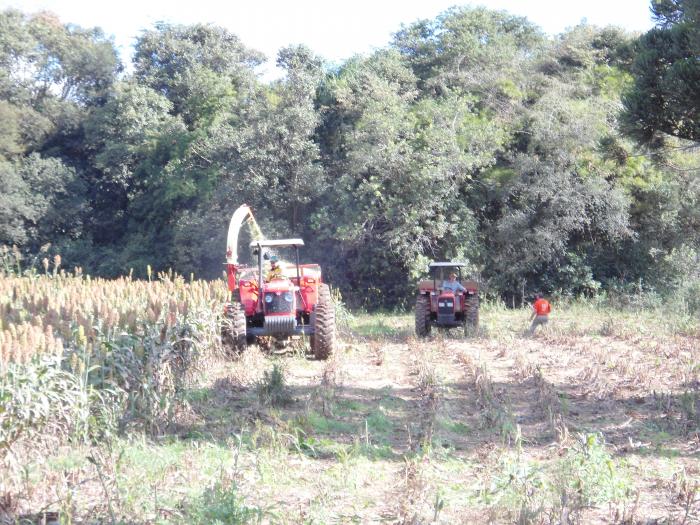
column 542, row 307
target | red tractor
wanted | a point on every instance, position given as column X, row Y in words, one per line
column 446, row 300
column 292, row 302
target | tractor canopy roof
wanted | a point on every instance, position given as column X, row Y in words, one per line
column 447, row 264
column 277, row 243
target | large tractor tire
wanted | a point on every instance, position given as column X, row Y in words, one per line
column 471, row 315
column 323, row 324
column 233, row 329
column 423, row 315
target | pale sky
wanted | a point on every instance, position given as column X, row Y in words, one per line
column 334, row 30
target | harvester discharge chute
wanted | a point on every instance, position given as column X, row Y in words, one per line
column 242, row 215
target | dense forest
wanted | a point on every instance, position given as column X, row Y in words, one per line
column 567, row 164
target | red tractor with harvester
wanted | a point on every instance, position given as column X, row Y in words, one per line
column 288, row 303
column 446, row 300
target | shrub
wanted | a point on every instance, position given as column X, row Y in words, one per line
column 272, row 388
column 221, row 505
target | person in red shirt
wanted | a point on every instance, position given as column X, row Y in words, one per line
column 540, row 313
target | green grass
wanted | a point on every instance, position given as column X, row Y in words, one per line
column 378, row 423
column 319, row 424
column 272, row 389
column 382, row 325
column 577, row 317
column 349, row 406
column 68, row 461
column 456, row 427
column 375, row 452
column 146, row 467
column 198, row 395
column 587, row 318
column 324, row 448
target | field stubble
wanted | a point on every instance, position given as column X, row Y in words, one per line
column 593, row 420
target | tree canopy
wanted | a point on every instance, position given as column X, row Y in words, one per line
column 469, row 136
column 666, row 93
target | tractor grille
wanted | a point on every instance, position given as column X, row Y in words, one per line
column 446, row 311
column 280, row 324
column 446, row 306
column 279, row 302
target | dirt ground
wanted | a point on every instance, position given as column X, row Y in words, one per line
column 395, row 429
column 574, row 425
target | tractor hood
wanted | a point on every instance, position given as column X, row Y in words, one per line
column 279, row 285
column 279, row 301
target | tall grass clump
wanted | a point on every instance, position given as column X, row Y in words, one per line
column 272, row 388
column 558, row 491
column 220, row 504
column 343, row 316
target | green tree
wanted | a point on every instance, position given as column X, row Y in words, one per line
column 198, row 67
column 39, row 202
column 51, row 75
column 665, row 98
column 293, row 122
column 400, row 177
column 267, row 157
column 11, row 143
column 43, row 59
column 484, row 53
column 121, row 138
column 553, row 216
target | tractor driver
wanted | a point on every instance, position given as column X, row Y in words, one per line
column 275, row 269
column 453, row 284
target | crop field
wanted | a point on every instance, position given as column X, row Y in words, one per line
column 118, row 405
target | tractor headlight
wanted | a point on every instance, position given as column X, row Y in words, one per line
column 268, row 297
column 288, row 297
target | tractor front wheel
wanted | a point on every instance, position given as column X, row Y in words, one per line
column 422, row 315
column 323, row 324
column 471, row 314
column 233, row 329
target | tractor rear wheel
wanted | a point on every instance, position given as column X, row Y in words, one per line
column 471, row 314
column 423, row 315
column 323, row 324
column 233, row 329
